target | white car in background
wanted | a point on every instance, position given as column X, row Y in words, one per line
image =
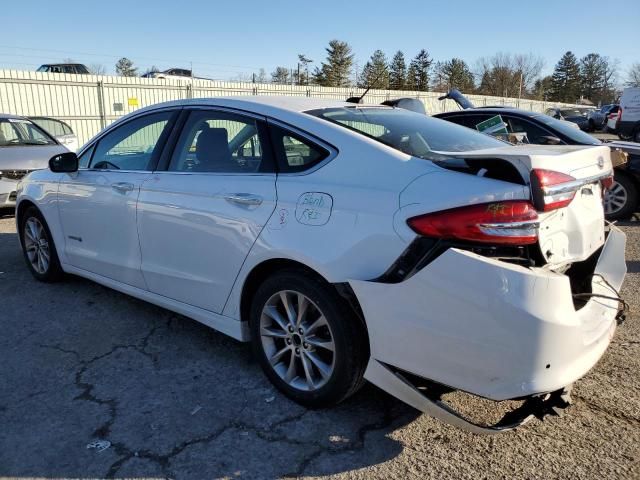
column 24, row 147
column 347, row 242
column 58, row 129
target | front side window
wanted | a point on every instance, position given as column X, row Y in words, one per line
column 576, row 135
column 411, row 133
column 16, row 132
column 135, row 145
column 218, row 142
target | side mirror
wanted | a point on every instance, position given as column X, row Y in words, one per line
column 550, row 140
column 64, row 163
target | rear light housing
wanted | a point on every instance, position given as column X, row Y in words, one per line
column 513, row 222
column 606, row 183
column 551, row 190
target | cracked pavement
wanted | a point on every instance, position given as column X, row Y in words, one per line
column 80, row 362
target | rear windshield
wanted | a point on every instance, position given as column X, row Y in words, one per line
column 412, row 133
column 17, row 132
column 575, row 134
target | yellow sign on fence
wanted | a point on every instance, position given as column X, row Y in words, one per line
column 133, row 102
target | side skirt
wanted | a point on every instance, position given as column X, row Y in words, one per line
column 227, row 325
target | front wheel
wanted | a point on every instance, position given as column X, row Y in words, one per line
column 621, row 200
column 309, row 342
column 38, row 247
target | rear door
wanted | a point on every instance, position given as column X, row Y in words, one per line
column 199, row 217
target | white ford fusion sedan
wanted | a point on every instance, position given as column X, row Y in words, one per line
column 347, row 242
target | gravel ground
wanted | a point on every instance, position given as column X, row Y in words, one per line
column 80, row 363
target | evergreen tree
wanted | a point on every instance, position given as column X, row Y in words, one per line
column 454, row 73
column 336, row 70
column 565, row 81
column 542, row 88
column 592, row 69
column 280, row 75
column 376, row 72
column 125, row 68
column 398, row 72
column 419, row 68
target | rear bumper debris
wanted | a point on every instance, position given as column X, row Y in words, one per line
column 493, row 329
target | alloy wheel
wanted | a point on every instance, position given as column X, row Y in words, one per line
column 297, row 340
column 615, row 199
column 36, row 245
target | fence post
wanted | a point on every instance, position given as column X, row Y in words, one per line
column 101, row 106
column 189, row 91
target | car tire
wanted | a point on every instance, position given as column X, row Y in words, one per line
column 38, row 248
column 636, row 135
column 316, row 363
column 621, row 201
column 592, row 126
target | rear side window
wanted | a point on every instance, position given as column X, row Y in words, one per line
column 294, row 152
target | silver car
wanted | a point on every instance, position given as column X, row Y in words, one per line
column 24, row 147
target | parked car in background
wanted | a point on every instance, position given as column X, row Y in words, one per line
column 577, row 115
column 628, row 124
column 60, row 130
column 598, row 118
column 621, row 200
column 74, row 68
column 172, row 72
column 347, row 242
column 24, row 147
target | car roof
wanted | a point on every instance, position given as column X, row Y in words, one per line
column 62, row 65
column 4, row 116
column 260, row 104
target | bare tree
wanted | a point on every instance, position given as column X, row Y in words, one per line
column 633, row 75
column 97, row 69
column 508, row 75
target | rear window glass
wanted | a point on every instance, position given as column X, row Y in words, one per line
column 412, row 133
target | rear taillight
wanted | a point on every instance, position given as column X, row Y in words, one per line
column 607, row 182
column 619, row 119
column 552, row 190
column 513, row 222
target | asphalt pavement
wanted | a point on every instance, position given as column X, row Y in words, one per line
column 97, row 384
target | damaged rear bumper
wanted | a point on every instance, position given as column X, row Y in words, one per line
column 490, row 328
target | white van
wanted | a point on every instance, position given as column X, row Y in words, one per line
column 628, row 126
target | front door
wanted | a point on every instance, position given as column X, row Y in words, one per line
column 98, row 204
column 199, row 218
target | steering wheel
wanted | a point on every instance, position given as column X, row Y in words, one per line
column 106, row 165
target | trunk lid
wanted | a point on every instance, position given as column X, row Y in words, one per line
column 573, row 232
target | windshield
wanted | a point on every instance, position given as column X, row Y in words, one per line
column 412, row 133
column 18, row 131
column 575, row 134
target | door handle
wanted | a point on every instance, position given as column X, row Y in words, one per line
column 246, row 199
column 122, row 187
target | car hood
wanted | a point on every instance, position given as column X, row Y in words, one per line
column 28, row 157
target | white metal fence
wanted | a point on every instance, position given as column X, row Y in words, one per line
column 89, row 103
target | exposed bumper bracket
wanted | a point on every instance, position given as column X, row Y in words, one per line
column 397, row 385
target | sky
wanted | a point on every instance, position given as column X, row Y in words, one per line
column 225, row 39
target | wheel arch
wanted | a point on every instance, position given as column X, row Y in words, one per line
column 21, row 208
column 266, row 268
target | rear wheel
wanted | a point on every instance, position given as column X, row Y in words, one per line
column 38, row 247
column 636, row 135
column 621, row 200
column 309, row 342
